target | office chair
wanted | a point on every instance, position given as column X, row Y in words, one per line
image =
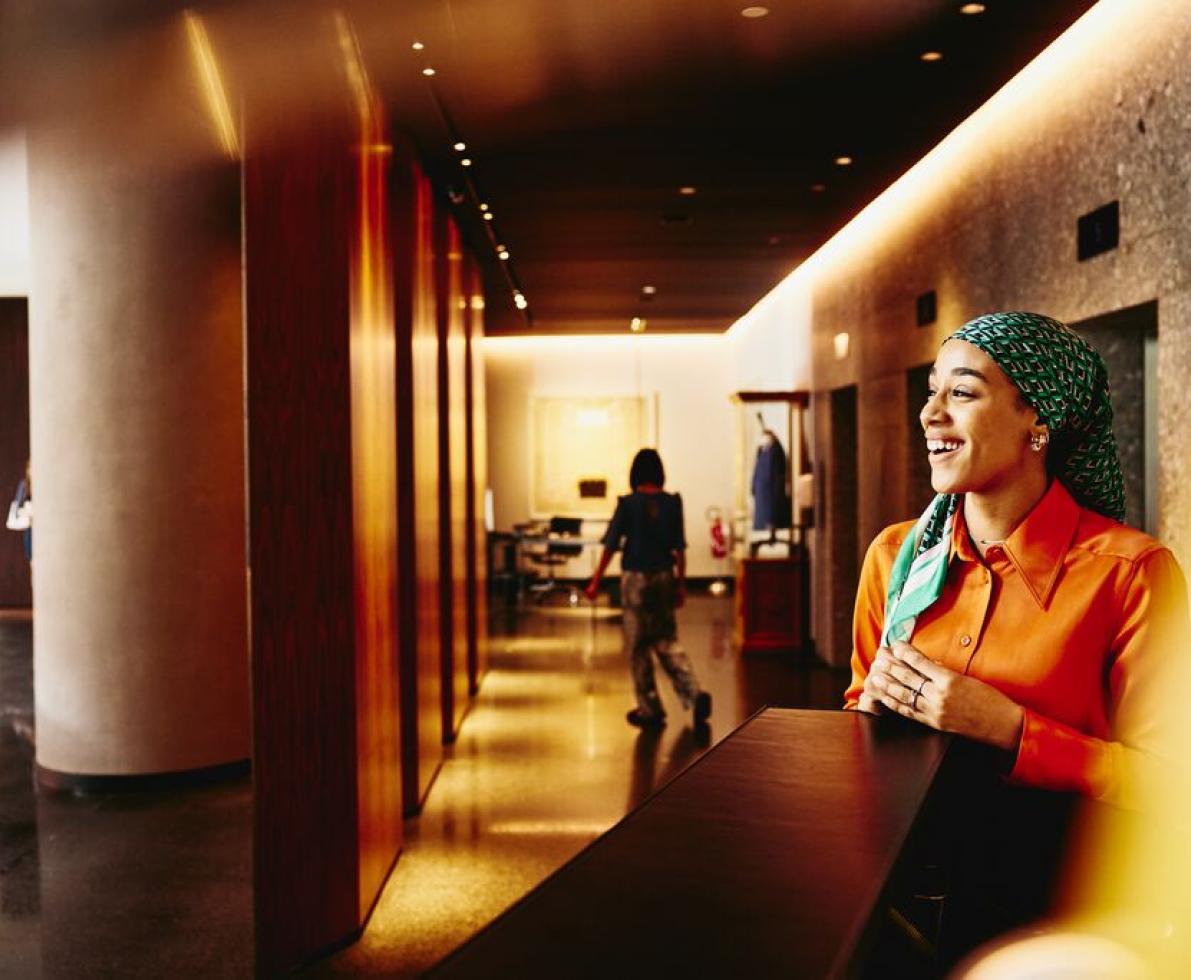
column 558, row 551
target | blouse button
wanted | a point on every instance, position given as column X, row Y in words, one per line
column 965, row 640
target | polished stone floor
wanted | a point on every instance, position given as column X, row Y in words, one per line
column 153, row 885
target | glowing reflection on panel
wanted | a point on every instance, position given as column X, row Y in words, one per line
column 213, row 90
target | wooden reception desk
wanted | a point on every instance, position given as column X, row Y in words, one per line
column 768, row 857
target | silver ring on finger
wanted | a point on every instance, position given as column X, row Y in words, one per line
column 922, row 686
column 914, row 701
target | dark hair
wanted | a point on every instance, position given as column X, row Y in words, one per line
column 646, row 468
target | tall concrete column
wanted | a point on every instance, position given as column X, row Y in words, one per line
column 136, row 378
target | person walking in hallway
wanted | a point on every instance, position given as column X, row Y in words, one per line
column 647, row 527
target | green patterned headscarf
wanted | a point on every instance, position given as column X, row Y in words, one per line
column 1064, row 380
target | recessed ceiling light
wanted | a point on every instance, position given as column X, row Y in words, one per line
column 427, row 71
column 688, row 191
column 752, row 13
column 843, row 161
column 503, row 255
column 460, row 146
column 483, row 207
column 649, row 290
column 519, row 301
column 818, row 188
column 417, row 45
column 972, row 8
column 465, row 162
column 932, row 56
column 637, row 324
column 487, row 215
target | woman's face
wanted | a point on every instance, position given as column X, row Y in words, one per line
column 977, row 425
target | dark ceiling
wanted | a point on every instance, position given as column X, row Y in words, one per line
column 584, row 118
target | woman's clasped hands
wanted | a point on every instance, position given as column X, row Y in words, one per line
column 904, row 680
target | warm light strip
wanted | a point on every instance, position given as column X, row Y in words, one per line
column 204, row 58
column 357, row 74
column 521, row 343
column 1028, row 92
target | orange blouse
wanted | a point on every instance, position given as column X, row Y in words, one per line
column 1075, row 617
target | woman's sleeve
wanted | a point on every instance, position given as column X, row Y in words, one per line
column 1148, row 667
column 615, row 531
column 869, row 615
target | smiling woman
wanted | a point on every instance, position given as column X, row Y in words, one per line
column 1018, row 611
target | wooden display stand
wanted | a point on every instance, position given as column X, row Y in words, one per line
column 773, row 603
column 773, row 593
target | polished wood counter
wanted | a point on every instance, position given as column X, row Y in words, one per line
column 768, row 857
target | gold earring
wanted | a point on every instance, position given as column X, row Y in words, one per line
column 1039, row 441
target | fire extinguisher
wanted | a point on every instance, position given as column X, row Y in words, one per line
column 719, row 539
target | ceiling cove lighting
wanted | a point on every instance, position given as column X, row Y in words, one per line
column 843, row 161
column 972, row 8
column 753, row 13
column 932, row 56
column 1023, row 102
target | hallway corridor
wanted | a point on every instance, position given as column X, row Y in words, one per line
column 155, row 885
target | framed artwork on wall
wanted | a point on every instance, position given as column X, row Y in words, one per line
column 577, row 444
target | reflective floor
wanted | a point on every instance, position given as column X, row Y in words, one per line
column 160, row 885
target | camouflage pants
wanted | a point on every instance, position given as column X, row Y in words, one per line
column 647, row 599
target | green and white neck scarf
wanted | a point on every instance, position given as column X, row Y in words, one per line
column 1065, row 381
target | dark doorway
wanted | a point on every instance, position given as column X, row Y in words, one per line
column 1128, row 341
column 919, row 492
column 842, row 506
column 15, row 587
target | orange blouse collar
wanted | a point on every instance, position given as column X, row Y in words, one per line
column 1037, row 545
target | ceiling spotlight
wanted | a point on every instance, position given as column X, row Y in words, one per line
column 649, row 290
column 688, row 191
column 637, row 324
column 818, row 188
column 972, row 8
column 520, row 301
column 487, row 215
column 465, row 162
column 843, row 161
column 460, row 146
column 932, row 56
column 417, row 45
column 503, row 254
column 483, row 207
column 752, row 13
column 427, row 71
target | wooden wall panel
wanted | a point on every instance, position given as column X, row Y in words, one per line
column 15, row 585
column 374, row 487
column 417, row 472
column 477, row 481
column 298, row 212
column 452, row 407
